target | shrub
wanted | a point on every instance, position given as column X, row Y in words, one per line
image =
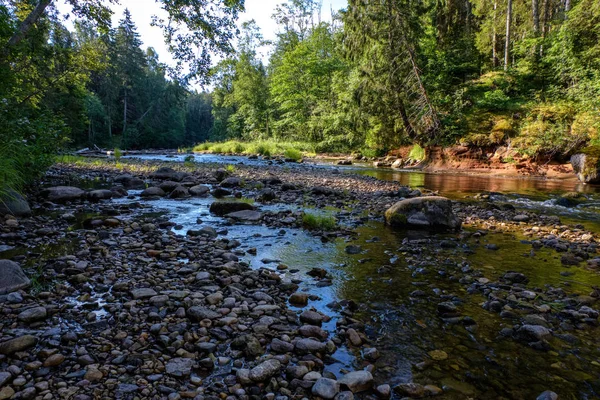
column 117, row 153
column 230, row 168
column 293, row 154
column 319, row 222
column 494, row 100
column 417, row 153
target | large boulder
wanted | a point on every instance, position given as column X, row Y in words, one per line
column 166, row 173
column 432, row 212
column 225, row 207
column 12, row 277
column 587, row 166
column 61, row 194
column 14, row 204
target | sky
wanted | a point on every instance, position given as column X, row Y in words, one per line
column 259, row 10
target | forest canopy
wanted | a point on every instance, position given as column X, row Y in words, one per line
column 524, row 74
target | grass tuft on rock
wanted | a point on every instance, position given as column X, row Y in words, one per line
column 319, row 222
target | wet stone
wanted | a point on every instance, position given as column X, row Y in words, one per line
column 326, row 388
column 179, row 367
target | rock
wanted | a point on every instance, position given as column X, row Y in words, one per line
column 143, row 293
column 344, row 162
column 547, row 395
column 93, row 374
column 413, row 390
column 61, row 194
column 198, row 313
column 5, row 377
column 179, row 367
column 305, row 346
column 371, row 354
column 267, row 195
column 265, row 370
column 353, row 249
column 166, row 173
column 423, row 212
column 299, row 299
column 326, row 388
column 179, row 193
column 347, row 395
column 221, row 174
column 521, row 218
column 13, row 203
column 357, row 381
column 153, row 191
column 54, row 360
column 199, row 190
column 225, row 207
column 245, row 215
column 231, row 182
column 532, row 333
column 398, row 163
column 353, row 337
column 17, row 344
column 311, row 317
column 586, row 166
column 6, row 393
column 12, row 277
column 33, row 314
column 279, row 346
column 203, row 231
column 383, row 391
column 102, row 194
column 438, row 355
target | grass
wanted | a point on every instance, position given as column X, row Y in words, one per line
column 230, row 168
column 118, row 154
column 292, row 154
column 319, row 222
column 260, row 147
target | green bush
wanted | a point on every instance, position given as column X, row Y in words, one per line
column 117, row 153
column 319, row 222
column 417, row 153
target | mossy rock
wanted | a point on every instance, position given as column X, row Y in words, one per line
column 587, row 164
column 428, row 212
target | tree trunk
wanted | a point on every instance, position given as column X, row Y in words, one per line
column 536, row 17
column 25, row 27
column 124, row 113
column 567, row 7
column 494, row 38
column 508, row 26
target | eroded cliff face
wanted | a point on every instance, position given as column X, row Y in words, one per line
column 500, row 160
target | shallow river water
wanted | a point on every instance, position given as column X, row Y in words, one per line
column 405, row 326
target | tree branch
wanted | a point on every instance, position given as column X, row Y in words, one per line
column 25, row 27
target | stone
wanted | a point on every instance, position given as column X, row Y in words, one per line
column 265, row 370
column 347, row 395
column 179, row 367
column 208, row 231
column 521, row 218
column 221, row 208
column 101, row 194
column 245, row 215
column 326, row 388
column 353, row 249
column 371, row 354
column 353, row 337
column 311, row 317
column 13, row 203
column 547, row 395
column 413, row 390
column 62, row 194
column 279, row 346
column 299, row 299
column 438, row 355
column 5, row 377
column 586, row 166
column 143, row 293
column 153, row 191
column 54, row 360
column 532, row 333
column 199, row 190
column 198, row 313
column 179, row 193
column 357, row 381
column 383, row 391
column 6, row 393
column 398, row 163
column 12, row 277
column 231, row 182
column 309, row 345
column 431, row 212
column 166, row 173
column 33, row 314
column 17, row 344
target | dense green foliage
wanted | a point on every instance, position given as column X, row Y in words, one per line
column 397, row 72
column 519, row 74
column 95, row 85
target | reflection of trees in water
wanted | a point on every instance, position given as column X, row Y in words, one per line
column 449, row 183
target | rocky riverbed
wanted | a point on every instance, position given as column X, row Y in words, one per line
column 158, row 280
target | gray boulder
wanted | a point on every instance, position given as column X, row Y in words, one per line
column 357, row 381
column 166, row 173
column 101, row 194
column 14, row 204
column 587, row 166
column 152, row 192
column 12, row 277
column 179, row 367
column 225, row 207
column 17, row 344
column 198, row 313
column 245, row 215
column 265, row 370
column 61, row 194
column 432, row 212
column 326, row 388
column 199, row 190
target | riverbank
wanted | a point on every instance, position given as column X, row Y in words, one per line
column 131, row 300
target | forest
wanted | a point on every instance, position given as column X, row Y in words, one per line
column 375, row 76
